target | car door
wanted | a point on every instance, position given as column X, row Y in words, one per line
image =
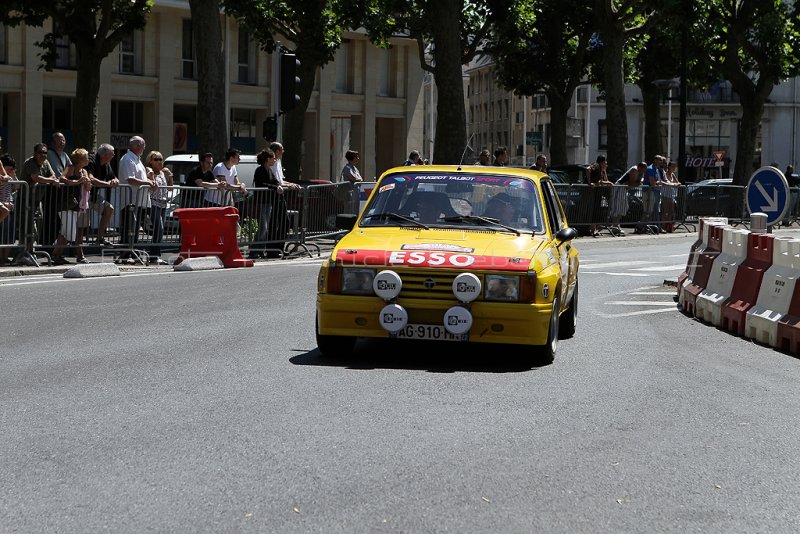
column 561, row 251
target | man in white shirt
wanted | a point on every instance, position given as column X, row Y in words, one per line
column 228, row 178
column 277, row 148
column 133, row 172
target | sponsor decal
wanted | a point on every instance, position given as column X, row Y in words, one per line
column 437, row 246
column 387, row 187
column 434, row 259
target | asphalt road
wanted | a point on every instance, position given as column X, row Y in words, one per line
column 186, row 402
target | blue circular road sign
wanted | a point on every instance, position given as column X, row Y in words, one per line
column 768, row 192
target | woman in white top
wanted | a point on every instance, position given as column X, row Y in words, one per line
column 162, row 178
column 669, row 194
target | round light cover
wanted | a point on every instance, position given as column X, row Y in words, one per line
column 466, row 287
column 457, row 320
column 393, row 318
column 387, row 284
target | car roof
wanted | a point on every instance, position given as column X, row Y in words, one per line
column 194, row 158
column 467, row 169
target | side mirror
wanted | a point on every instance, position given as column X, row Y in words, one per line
column 345, row 221
column 566, row 234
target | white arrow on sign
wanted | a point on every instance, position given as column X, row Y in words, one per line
column 772, row 203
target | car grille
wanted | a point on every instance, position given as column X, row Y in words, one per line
column 427, row 284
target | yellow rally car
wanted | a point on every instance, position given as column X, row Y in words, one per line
column 469, row 254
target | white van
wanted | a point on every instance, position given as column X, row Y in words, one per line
column 182, row 164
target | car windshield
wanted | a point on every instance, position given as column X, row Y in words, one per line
column 477, row 201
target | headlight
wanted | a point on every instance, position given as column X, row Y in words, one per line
column 357, row 281
column 501, row 287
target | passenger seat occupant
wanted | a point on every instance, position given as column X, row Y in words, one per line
column 500, row 207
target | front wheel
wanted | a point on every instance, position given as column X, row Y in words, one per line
column 334, row 345
column 547, row 352
column 569, row 319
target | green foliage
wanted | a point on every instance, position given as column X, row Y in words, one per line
column 314, row 26
column 98, row 25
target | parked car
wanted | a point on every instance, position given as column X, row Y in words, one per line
column 715, row 196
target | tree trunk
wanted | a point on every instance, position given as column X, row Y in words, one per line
column 559, row 107
column 87, row 89
column 614, row 86
column 294, row 121
column 451, row 120
column 752, row 111
column 212, row 120
column 651, row 95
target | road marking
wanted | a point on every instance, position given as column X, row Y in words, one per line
column 618, row 264
column 661, row 268
column 632, row 314
column 616, row 274
column 669, row 293
column 639, row 303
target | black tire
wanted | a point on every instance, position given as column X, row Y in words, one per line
column 547, row 352
column 569, row 319
column 334, row 346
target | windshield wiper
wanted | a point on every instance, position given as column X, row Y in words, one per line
column 396, row 217
column 478, row 219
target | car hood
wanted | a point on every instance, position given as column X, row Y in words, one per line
column 444, row 248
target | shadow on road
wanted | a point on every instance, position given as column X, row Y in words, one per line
column 432, row 356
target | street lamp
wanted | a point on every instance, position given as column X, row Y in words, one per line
column 668, row 85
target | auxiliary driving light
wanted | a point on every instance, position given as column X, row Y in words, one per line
column 387, row 285
column 466, row 287
column 393, row 318
column 457, row 320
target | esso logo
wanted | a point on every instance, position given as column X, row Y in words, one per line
column 430, row 259
column 387, row 284
column 466, row 287
column 457, row 320
column 393, row 318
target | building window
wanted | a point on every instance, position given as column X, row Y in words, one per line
column 187, row 52
column 3, row 37
column 246, row 58
column 65, row 53
column 385, row 72
column 342, row 64
column 130, row 53
column 56, row 113
column 127, row 117
column 243, row 123
column 602, row 135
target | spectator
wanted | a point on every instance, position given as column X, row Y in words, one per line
column 74, row 223
column 413, row 159
column 500, row 207
column 133, row 172
column 484, row 158
column 264, row 178
column 599, row 192
column 162, row 178
column 653, row 178
column 227, row 179
column 58, row 159
column 279, row 222
column 201, row 176
column 101, row 176
column 669, row 195
column 500, row 156
column 8, row 175
column 37, row 171
column 622, row 195
column 350, row 172
column 541, row 163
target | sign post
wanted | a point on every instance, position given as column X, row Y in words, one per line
column 768, row 192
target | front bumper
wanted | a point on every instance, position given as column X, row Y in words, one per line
column 493, row 322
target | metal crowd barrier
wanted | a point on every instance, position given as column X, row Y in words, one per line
column 48, row 219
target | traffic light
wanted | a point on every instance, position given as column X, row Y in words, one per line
column 270, row 129
column 290, row 81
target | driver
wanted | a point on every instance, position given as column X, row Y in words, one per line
column 500, row 207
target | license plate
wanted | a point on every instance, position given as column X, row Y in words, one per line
column 430, row 332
